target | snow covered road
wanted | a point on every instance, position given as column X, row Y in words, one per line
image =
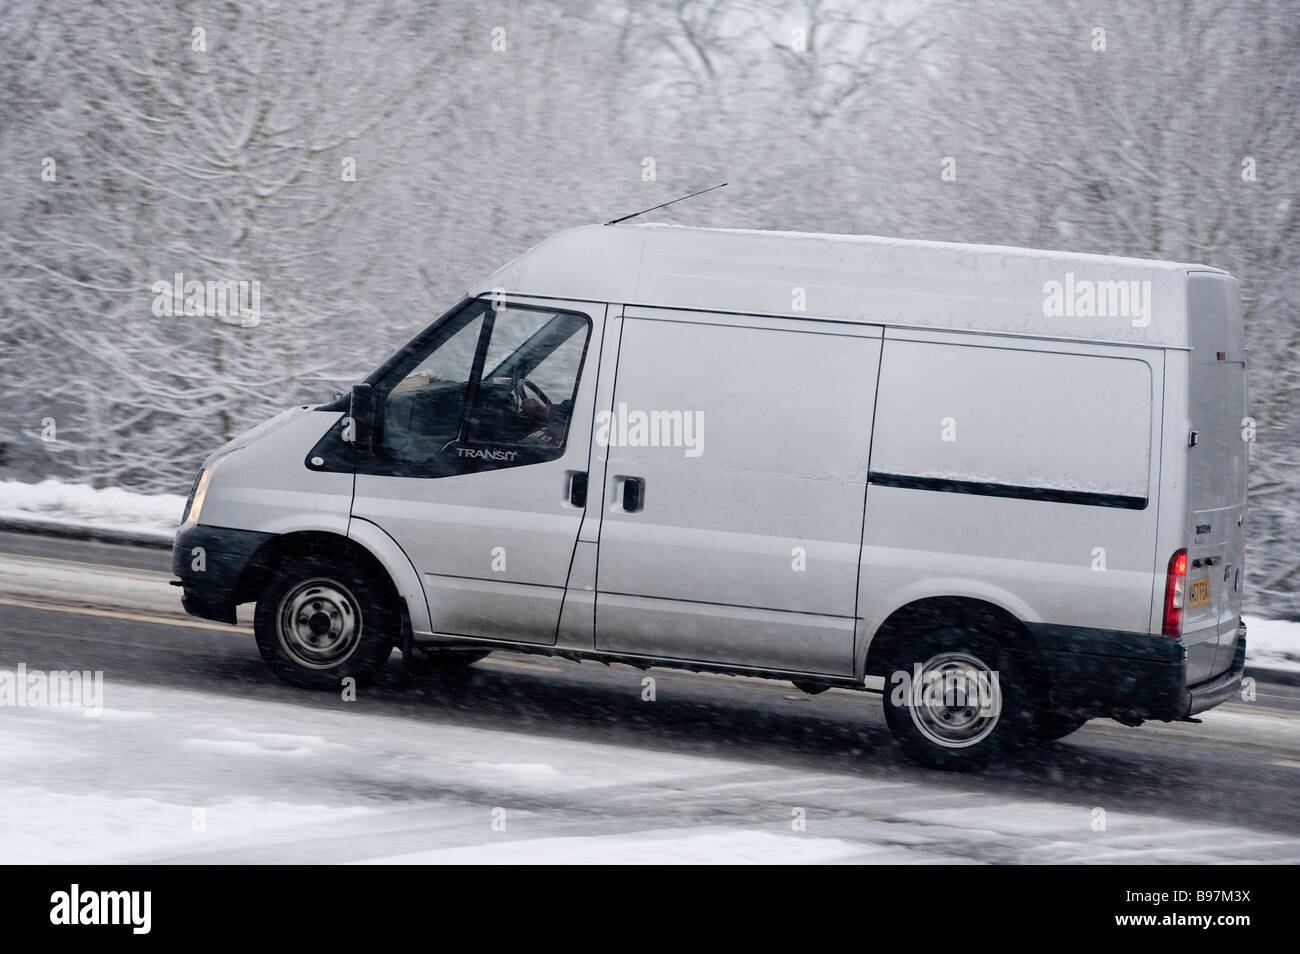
column 189, row 776
column 201, row 756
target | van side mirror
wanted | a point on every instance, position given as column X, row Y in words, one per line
column 361, row 410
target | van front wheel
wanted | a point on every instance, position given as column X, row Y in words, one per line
column 954, row 697
column 317, row 624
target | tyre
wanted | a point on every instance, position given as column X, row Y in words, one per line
column 1050, row 726
column 955, row 697
column 318, row 623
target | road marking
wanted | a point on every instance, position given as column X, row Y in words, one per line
column 1285, row 763
column 1245, row 708
column 109, row 567
column 135, row 617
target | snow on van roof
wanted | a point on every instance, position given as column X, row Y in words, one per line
column 860, row 278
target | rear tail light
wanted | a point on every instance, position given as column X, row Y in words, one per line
column 1175, row 594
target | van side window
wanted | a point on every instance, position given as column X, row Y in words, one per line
column 526, row 396
column 494, row 389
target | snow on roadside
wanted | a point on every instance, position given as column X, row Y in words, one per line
column 81, row 506
column 1272, row 644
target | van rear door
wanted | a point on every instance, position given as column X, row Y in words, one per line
column 1217, row 461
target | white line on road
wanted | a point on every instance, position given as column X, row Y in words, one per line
column 135, row 617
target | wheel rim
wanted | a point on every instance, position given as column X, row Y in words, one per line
column 319, row 623
column 956, row 700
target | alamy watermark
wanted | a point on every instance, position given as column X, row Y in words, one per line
column 633, row 428
column 76, row 906
column 1086, row 298
column 947, row 688
column 22, row 688
column 240, row 300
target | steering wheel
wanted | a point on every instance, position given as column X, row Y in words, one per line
column 519, row 388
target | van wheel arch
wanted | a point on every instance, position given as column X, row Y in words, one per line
column 932, row 613
column 344, row 550
column 290, row 546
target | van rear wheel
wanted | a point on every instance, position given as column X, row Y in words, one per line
column 955, row 696
column 317, row 624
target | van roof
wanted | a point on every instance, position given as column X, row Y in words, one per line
column 860, row 279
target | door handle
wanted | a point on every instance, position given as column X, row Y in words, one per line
column 633, row 494
column 631, row 491
column 578, row 488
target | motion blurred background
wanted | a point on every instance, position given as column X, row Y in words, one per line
column 215, row 140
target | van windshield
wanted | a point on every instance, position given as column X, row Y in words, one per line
column 438, row 399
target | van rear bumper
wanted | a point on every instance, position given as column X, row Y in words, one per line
column 1127, row 676
column 1226, row 685
column 212, row 592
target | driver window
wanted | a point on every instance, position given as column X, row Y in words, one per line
column 530, row 378
column 517, row 370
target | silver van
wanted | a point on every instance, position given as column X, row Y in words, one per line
column 1006, row 488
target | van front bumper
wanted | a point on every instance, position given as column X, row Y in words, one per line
column 1131, row 677
column 211, row 563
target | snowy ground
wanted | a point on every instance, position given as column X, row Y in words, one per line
column 1272, row 644
column 183, row 776
column 77, row 505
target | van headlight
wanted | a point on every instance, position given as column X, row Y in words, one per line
column 195, row 503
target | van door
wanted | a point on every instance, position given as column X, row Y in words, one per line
column 1217, row 461
column 734, row 489
column 483, row 431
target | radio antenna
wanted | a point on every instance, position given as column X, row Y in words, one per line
column 672, row 202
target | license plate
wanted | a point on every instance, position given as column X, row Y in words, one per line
column 1199, row 592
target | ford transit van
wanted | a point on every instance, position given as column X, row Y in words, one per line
column 1006, row 488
